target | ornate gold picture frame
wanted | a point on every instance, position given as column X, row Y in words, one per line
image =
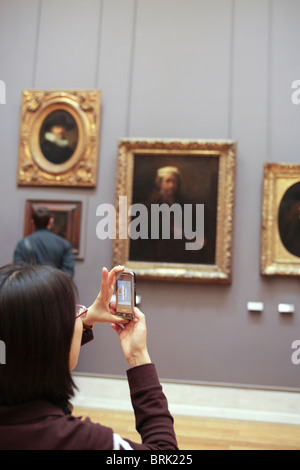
column 204, row 175
column 280, row 234
column 59, row 138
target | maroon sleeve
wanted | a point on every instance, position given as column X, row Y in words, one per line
column 153, row 419
column 87, row 336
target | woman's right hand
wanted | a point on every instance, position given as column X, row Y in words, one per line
column 133, row 338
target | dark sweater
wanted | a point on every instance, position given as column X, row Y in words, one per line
column 47, row 248
column 41, row 425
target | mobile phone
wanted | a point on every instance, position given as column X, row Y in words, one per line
column 126, row 294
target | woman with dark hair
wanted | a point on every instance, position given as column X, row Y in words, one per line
column 42, row 329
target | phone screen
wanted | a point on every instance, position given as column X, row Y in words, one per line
column 124, row 293
column 125, row 290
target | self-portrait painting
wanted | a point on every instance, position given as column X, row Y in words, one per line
column 186, row 181
column 180, row 201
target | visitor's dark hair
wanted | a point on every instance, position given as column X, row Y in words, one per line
column 41, row 217
column 37, row 318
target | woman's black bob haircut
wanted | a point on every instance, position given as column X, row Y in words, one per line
column 37, row 318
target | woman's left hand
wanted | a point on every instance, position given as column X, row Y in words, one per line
column 99, row 311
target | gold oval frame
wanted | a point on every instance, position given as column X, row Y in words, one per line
column 81, row 168
column 275, row 259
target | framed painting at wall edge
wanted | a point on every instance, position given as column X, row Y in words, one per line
column 280, row 232
column 67, row 220
column 182, row 194
column 59, row 138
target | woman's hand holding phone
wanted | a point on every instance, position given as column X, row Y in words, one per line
column 133, row 338
column 99, row 311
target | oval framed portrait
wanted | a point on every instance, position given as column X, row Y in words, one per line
column 280, row 231
column 289, row 219
column 59, row 138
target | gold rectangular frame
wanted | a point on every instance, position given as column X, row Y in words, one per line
column 67, row 220
column 280, row 211
column 74, row 160
column 166, row 151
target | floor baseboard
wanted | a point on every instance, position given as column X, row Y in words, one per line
column 195, row 400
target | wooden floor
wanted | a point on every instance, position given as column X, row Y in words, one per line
column 207, row 433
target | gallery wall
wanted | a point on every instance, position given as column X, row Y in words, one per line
column 185, row 69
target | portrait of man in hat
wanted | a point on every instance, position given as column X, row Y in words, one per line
column 55, row 137
column 182, row 181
